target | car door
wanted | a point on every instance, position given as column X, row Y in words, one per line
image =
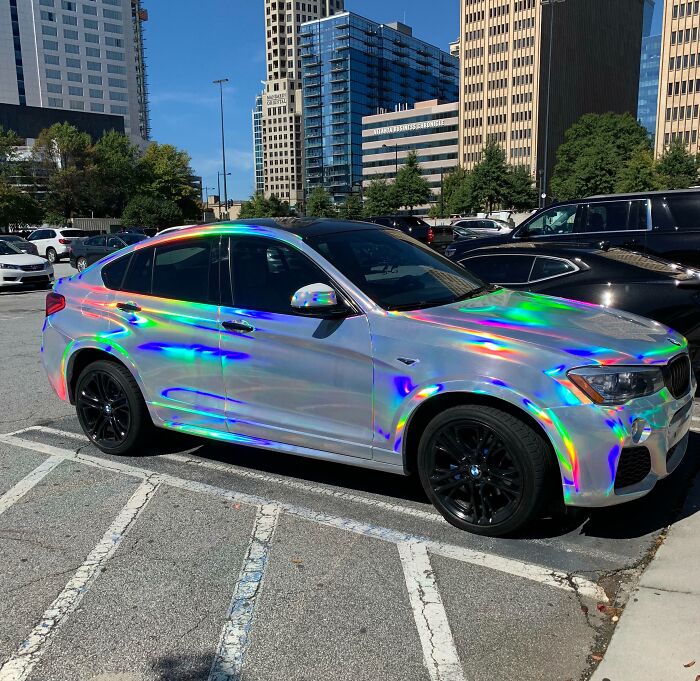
column 292, row 378
column 675, row 232
column 41, row 238
column 168, row 325
column 615, row 223
column 505, row 269
column 94, row 249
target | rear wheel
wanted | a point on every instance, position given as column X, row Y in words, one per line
column 110, row 408
column 484, row 469
column 51, row 255
column 81, row 264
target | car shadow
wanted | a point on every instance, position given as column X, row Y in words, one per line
column 660, row 508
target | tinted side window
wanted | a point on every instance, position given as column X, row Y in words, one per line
column 266, row 274
column 605, row 217
column 181, row 271
column 114, row 242
column 49, row 234
column 550, row 267
column 95, row 241
column 685, row 211
column 557, row 220
column 138, row 276
column 113, row 274
column 501, row 269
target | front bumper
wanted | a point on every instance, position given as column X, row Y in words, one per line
column 17, row 278
column 599, row 444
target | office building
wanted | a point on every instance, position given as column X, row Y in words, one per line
column 258, row 145
column 353, row 67
column 64, row 55
column 429, row 128
column 647, row 102
column 282, row 140
column 530, row 69
column 678, row 115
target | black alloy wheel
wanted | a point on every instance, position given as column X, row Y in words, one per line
column 110, row 408
column 483, row 469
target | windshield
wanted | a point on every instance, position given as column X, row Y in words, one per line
column 10, row 237
column 413, row 221
column 396, row 272
column 132, row 237
column 8, row 249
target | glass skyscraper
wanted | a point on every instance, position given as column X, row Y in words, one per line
column 649, row 73
column 353, row 67
column 258, row 144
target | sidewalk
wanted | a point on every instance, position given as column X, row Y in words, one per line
column 659, row 631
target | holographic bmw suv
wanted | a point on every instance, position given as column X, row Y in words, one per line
column 354, row 343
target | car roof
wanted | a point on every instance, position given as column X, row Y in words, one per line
column 639, row 195
column 303, row 227
column 535, row 248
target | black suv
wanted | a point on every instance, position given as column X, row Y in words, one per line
column 416, row 227
column 666, row 224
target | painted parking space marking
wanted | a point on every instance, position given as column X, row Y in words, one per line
column 235, row 636
column 232, row 469
column 514, row 567
column 20, row 664
column 16, row 492
column 439, row 650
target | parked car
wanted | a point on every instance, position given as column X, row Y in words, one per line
column 85, row 252
column 20, row 243
column 415, row 227
column 666, row 224
column 22, row 269
column 52, row 244
column 466, row 228
column 353, row 343
column 614, row 277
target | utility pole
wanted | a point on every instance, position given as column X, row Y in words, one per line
column 220, row 83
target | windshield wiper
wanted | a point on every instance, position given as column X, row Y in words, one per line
column 489, row 288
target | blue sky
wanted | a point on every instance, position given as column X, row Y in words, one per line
column 186, row 50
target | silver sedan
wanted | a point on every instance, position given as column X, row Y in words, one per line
column 356, row 344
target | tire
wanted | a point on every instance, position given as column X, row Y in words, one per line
column 121, row 428
column 51, row 255
column 484, row 470
column 81, row 264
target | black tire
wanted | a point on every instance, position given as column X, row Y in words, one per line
column 121, row 428
column 51, row 255
column 484, row 470
column 81, row 264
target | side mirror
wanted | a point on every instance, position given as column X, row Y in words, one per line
column 315, row 298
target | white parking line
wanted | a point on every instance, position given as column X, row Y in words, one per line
column 439, row 651
column 16, row 492
column 517, row 568
column 235, row 636
column 19, row 666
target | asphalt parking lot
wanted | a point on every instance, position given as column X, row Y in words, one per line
column 201, row 561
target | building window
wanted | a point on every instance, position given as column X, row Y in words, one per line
column 72, row 49
column 55, row 101
column 72, row 63
column 89, row 9
column 92, row 52
column 90, row 23
column 70, row 34
column 75, row 91
column 55, row 88
column 51, row 59
column 117, row 56
column 53, row 73
column 111, row 14
column 96, row 94
column 118, row 96
column 77, row 106
column 92, row 38
column 95, row 80
column 94, row 66
column 49, row 30
column 47, row 16
column 98, row 108
column 124, row 111
column 75, row 77
column 50, row 45
column 70, row 20
column 68, row 5
column 117, row 82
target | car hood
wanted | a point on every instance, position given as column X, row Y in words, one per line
column 585, row 333
column 22, row 259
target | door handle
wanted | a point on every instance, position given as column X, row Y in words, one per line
column 245, row 327
column 128, row 307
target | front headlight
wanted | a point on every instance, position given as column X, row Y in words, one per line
column 617, row 385
column 4, row 266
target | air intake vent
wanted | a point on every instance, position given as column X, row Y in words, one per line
column 633, row 467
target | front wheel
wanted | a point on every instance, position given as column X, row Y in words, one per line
column 51, row 255
column 81, row 264
column 484, row 469
column 110, row 408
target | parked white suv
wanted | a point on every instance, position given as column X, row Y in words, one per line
column 53, row 244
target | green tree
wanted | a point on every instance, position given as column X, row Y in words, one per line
column 351, row 208
column 412, row 189
column 260, row 207
column 150, row 211
column 490, row 178
column 677, row 167
column 320, row 204
column 521, row 194
column 457, row 192
column 9, row 142
column 17, row 208
column 593, row 154
column 639, row 173
column 380, row 198
column 116, row 177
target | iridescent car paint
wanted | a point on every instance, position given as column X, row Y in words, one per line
column 348, row 389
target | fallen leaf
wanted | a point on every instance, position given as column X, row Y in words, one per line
column 601, row 607
column 689, row 664
column 597, row 658
column 584, row 609
column 297, row 561
column 237, row 507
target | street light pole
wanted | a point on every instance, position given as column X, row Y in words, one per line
column 220, row 83
column 396, row 158
column 219, row 175
column 545, row 177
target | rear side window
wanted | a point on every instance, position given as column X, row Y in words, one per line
column 95, row 241
column 113, row 274
column 181, row 271
column 74, row 232
column 547, row 268
column 501, row 269
column 683, row 211
column 614, row 216
column 138, row 276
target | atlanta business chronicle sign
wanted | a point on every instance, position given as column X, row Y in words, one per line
column 410, row 127
column 278, row 99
